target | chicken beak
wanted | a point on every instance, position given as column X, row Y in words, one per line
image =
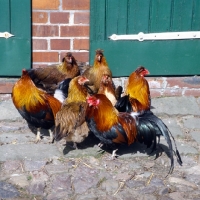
column 147, row 71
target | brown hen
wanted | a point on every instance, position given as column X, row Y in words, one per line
column 48, row 78
column 70, row 120
column 95, row 73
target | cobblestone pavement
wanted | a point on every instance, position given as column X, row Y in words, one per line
column 47, row 171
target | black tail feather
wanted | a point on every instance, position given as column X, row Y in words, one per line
column 123, row 104
column 179, row 160
column 144, row 128
column 149, row 124
column 64, row 86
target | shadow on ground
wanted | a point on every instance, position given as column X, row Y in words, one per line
column 123, row 150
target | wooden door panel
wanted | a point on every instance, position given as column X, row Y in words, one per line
column 16, row 56
column 155, row 56
column 182, row 15
column 15, row 52
column 168, row 57
column 4, row 15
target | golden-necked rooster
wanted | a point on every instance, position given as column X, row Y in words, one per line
column 70, row 120
column 95, row 73
column 48, row 78
column 137, row 94
column 113, row 127
column 36, row 106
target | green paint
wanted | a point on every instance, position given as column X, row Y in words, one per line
column 161, row 58
column 15, row 52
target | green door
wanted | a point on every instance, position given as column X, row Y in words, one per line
column 15, row 52
column 160, row 57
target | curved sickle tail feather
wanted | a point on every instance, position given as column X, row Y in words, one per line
column 179, row 160
column 149, row 127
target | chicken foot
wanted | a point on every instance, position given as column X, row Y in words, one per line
column 100, row 144
column 51, row 136
column 38, row 136
column 114, row 155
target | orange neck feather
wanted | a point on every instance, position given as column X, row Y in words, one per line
column 26, row 93
column 104, row 114
column 138, row 88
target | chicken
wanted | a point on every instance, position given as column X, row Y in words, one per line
column 137, row 94
column 48, row 78
column 70, row 120
column 107, row 88
column 113, row 127
column 36, row 106
column 95, row 73
column 77, row 91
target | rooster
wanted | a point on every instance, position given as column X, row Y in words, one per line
column 48, row 78
column 137, row 94
column 94, row 74
column 114, row 127
column 35, row 105
column 70, row 120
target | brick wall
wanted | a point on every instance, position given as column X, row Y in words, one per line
column 169, row 86
column 59, row 26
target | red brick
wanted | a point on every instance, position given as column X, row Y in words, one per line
column 192, row 92
column 155, row 93
column 6, row 88
column 45, row 57
column 81, row 44
column 80, row 56
column 155, row 83
column 75, row 31
column 38, row 44
column 76, row 4
column 60, row 44
column 172, row 92
column 45, row 4
column 44, row 30
column 59, row 17
column 81, row 18
column 39, row 17
column 190, row 82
